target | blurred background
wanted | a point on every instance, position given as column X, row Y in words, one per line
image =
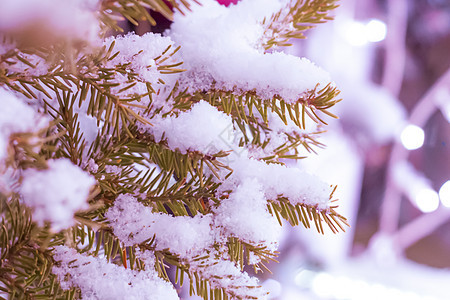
column 389, row 153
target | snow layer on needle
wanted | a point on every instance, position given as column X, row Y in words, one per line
column 16, row 117
column 203, row 128
column 66, row 18
column 99, row 279
column 142, row 62
column 222, row 45
column 225, row 274
column 298, row 186
column 40, row 65
column 278, row 134
column 244, row 214
column 182, row 235
column 56, row 193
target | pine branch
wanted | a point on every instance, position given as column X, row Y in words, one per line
column 26, row 262
column 79, row 81
column 249, row 108
column 136, row 11
column 95, row 83
column 200, row 283
column 243, row 254
column 295, row 19
column 250, row 115
column 307, row 214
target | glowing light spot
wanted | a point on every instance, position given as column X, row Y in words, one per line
column 355, row 33
column 412, row 137
column 361, row 33
column 376, row 30
column 427, row 200
column 444, row 194
column 323, row 285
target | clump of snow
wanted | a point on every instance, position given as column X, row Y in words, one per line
column 139, row 53
column 222, row 46
column 99, row 279
column 277, row 180
column 244, row 214
column 56, row 193
column 134, row 223
column 16, row 117
column 65, row 18
column 203, row 128
column 91, row 166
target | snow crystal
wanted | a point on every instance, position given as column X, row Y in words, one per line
column 222, row 45
column 72, row 18
column 99, row 279
column 244, row 214
column 181, row 235
column 91, row 166
column 13, row 110
column 56, row 193
column 203, row 128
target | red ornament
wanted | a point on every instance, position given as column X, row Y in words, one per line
column 227, row 2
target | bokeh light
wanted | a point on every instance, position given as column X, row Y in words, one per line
column 412, row 137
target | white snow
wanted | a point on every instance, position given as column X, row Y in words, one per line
column 203, row 128
column 40, row 66
column 223, row 46
column 16, row 117
column 99, row 279
column 139, row 53
column 279, row 134
column 225, row 274
column 56, row 193
column 244, row 214
column 277, row 180
column 65, row 18
column 134, row 223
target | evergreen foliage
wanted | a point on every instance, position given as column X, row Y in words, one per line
column 125, row 159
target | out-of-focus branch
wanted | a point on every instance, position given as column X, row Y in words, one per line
column 390, row 209
column 394, row 64
column 420, row 228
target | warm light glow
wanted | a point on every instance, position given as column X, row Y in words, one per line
column 427, row 200
column 412, row 137
column 376, row 30
column 444, row 194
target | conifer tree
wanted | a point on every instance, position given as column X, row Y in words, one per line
column 122, row 156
